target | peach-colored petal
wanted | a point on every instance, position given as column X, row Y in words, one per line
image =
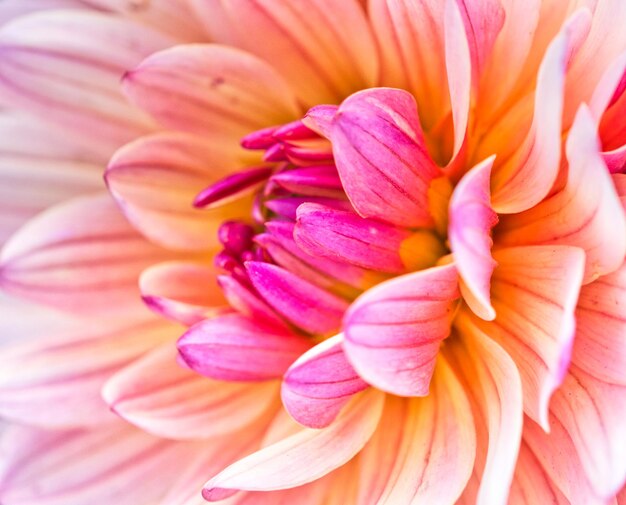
column 58, row 363
column 534, row 293
column 469, row 231
column 185, row 292
column 528, row 175
column 393, row 331
column 493, row 386
column 411, row 40
column 120, row 465
column 319, row 384
column 156, row 178
column 234, row 348
column 600, row 346
column 324, row 450
column 323, row 48
column 158, row 395
column 66, row 67
column 381, row 157
column 76, row 264
column 423, row 450
column 586, row 213
column 209, row 89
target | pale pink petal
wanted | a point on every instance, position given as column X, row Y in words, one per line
column 493, row 386
column 319, row 384
column 209, row 89
column 163, row 398
column 324, row 450
column 381, row 157
column 66, row 67
column 411, row 40
column 534, row 291
column 532, row 484
column 393, row 331
column 91, row 265
column 38, row 168
column 323, row 48
column 235, row 348
column 610, row 88
column 528, row 175
column 304, row 304
column 156, row 179
column 10, row 9
column 58, row 364
column 471, row 219
column 185, row 292
column 423, row 450
column 119, row 465
column 320, row 118
column 586, row 213
column 600, row 346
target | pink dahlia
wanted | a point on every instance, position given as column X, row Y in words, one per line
column 392, row 235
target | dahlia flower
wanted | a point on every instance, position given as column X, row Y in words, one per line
column 347, row 252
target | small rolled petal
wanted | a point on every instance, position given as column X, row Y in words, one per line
column 615, row 160
column 586, row 213
column 309, row 307
column 534, row 291
column 393, row 331
column 287, row 207
column 469, row 232
column 273, row 467
column 320, row 180
column 235, row 348
column 232, row 187
column 319, row 384
column 527, row 177
column 185, row 292
column 205, row 89
column 167, row 400
column 423, row 449
column 381, row 157
column 296, row 130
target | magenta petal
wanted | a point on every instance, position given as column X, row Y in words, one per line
column 236, row 348
column 322, row 180
column 319, row 384
column 394, row 330
column 381, row 157
column 306, row 305
column 345, row 236
column 231, row 187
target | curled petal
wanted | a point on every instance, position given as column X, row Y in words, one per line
column 393, row 331
column 469, row 232
column 167, row 400
column 319, row 384
column 423, row 450
column 273, row 467
column 235, row 348
column 586, row 213
column 381, row 157
column 534, row 292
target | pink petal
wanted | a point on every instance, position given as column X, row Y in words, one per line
column 10, row 9
column 59, row 364
column 235, row 348
column 527, row 177
column 615, row 160
column 182, row 291
column 586, row 213
column 324, row 450
column 494, row 388
column 320, row 180
column 66, row 67
column 319, row 384
column 156, row 178
column 393, row 331
column 320, row 118
column 80, row 265
column 162, row 398
column 469, row 231
column 534, row 291
column 600, row 346
column 381, row 157
column 209, row 89
column 313, row 309
column 324, row 57
column 423, row 450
